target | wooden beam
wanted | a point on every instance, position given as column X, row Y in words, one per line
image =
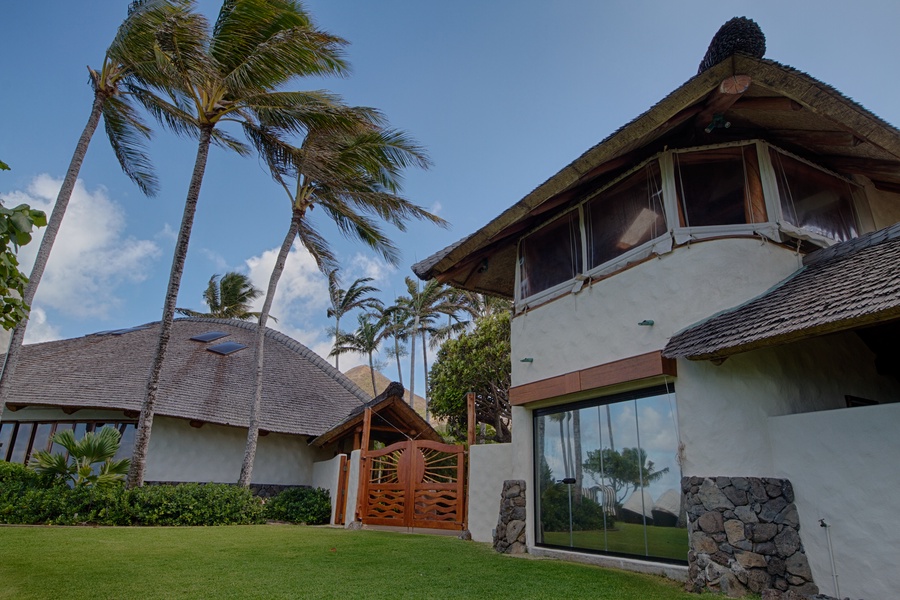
column 635, row 368
column 195, row 424
column 14, row 407
column 729, row 91
column 367, row 429
column 862, row 166
column 132, row 414
column 887, row 186
column 70, row 410
column 818, row 138
column 767, row 103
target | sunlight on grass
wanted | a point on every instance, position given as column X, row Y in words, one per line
column 290, row 561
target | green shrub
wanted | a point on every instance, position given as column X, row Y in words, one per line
column 194, row 504
column 300, row 505
column 587, row 515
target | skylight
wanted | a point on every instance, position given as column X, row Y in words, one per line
column 209, row 336
column 226, row 348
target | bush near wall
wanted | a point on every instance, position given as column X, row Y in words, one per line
column 300, row 505
column 29, row 498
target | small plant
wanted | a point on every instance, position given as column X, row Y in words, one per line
column 77, row 465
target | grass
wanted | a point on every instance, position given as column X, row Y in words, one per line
column 628, row 538
column 271, row 561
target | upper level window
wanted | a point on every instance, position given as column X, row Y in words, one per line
column 814, row 200
column 720, row 186
column 624, row 216
column 550, row 255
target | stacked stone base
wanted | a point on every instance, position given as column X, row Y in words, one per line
column 509, row 536
column 744, row 535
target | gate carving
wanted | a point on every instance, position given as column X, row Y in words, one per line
column 414, row 484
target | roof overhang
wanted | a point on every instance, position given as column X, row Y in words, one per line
column 761, row 99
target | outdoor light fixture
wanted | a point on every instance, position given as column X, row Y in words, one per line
column 527, row 359
column 646, row 323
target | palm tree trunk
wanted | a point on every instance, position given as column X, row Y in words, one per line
column 412, row 364
column 425, row 362
column 337, row 333
column 372, row 373
column 576, row 436
column 562, row 444
column 397, row 356
column 253, row 428
column 43, row 254
column 145, row 422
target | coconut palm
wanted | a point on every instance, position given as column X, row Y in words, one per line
column 365, row 340
column 128, row 62
column 228, row 297
column 398, row 328
column 358, row 295
column 424, row 307
column 350, row 172
column 234, row 72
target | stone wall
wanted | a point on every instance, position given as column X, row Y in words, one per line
column 509, row 536
column 744, row 536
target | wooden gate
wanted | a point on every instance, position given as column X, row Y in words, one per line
column 414, row 484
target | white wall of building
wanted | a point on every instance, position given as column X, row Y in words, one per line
column 179, row 452
column 326, row 475
column 842, row 464
column 599, row 324
column 489, row 466
column 352, row 488
column 723, row 410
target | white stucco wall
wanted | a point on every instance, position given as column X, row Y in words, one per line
column 842, row 464
column 723, row 410
column 489, row 466
column 352, row 488
column 179, row 452
column 599, row 324
column 326, row 475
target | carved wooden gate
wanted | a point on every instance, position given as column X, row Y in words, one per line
column 414, row 484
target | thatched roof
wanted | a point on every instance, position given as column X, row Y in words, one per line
column 850, row 285
column 782, row 105
column 361, row 376
column 393, row 417
column 302, row 393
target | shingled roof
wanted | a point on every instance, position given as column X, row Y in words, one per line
column 302, row 393
column 849, row 285
column 782, row 105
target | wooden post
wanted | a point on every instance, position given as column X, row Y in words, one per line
column 470, row 437
column 470, row 409
column 362, row 493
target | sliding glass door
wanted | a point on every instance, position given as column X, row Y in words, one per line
column 608, row 478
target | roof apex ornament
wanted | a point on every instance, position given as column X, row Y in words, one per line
column 739, row 35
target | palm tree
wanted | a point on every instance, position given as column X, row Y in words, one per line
column 358, row 295
column 424, row 306
column 365, row 340
column 228, row 297
column 235, row 73
column 76, row 464
column 128, row 62
column 398, row 330
column 350, row 172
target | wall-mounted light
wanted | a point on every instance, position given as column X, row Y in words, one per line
column 646, row 323
column 482, row 266
column 527, row 359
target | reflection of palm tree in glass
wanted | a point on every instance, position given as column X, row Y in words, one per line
column 561, row 419
column 624, row 471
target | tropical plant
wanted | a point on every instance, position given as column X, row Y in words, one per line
column 423, row 307
column 624, row 471
column 16, row 225
column 358, row 295
column 398, row 330
column 365, row 340
column 129, row 62
column 234, row 72
column 351, row 170
column 479, row 362
column 86, row 462
column 228, row 297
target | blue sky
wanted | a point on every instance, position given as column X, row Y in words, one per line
column 502, row 93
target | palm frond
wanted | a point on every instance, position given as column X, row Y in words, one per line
column 317, row 246
column 127, row 134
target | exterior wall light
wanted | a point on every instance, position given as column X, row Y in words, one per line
column 527, row 359
column 646, row 323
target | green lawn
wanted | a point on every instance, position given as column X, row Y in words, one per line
column 628, row 538
column 271, row 561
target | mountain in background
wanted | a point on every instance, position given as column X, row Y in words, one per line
column 361, row 377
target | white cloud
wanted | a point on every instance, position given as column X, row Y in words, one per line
column 39, row 330
column 166, row 233
column 368, row 266
column 91, row 256
column 436, row 208
column 218, row 261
